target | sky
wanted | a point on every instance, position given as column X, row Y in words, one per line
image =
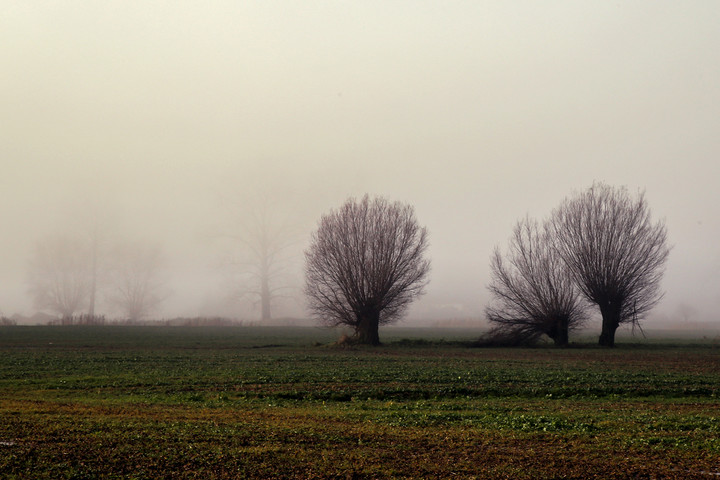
column 154, row 119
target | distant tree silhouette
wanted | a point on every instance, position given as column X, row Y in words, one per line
column 365, row 265
column 94, row 267
column 59, row 275
column 614, row 252
column 262, row 237
column 137, row 288
column 532, row 290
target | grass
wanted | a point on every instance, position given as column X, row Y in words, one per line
column 123, row 402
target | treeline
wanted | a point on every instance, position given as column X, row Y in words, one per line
column 366, row 263
column 82, row 319
column 85, row 319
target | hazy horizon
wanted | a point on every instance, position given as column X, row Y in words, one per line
column 157, row 121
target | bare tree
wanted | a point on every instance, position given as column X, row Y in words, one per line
column 262, row 237
column 614, row 251
column 365, row 265
column 532, row 290
column 94, row 270
column 59, row 276
column 137, row 287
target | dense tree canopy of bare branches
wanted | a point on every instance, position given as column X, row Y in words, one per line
column 532, row 291
column 365, row 264
column 60, row 275
column 614, row 251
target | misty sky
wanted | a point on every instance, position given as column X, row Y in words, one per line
column 148, row 116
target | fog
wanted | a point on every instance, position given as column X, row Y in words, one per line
column 159, row 122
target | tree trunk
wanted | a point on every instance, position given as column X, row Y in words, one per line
column 93, row 278
column 367, row 327
column 265, row 286
column 93, row 287
column 610, row 323
column 561, row 337
column 265, row 300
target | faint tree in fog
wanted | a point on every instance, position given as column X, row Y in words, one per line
column 60, row 275
column 94, row 270
column 90, row 224
column 365, row 265
column 533, row 293
column 262, row 237
column 614, row 252
column 136, row 287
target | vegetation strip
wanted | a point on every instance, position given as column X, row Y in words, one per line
column 101, row 403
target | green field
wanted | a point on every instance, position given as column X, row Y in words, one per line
column 147, row 402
